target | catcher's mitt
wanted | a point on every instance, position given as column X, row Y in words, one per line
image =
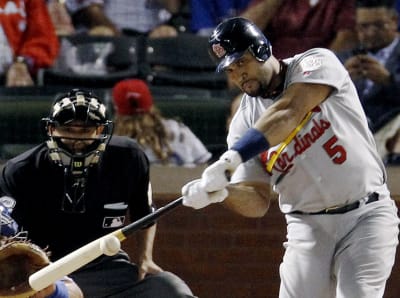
column 19, row 258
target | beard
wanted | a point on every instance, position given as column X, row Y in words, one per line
column 262, row 90
column 254, row 88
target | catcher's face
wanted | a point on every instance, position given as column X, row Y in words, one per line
column 76, row 136
column 251, row 75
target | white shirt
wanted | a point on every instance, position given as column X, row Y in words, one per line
column 6, row 55
column 186, row 147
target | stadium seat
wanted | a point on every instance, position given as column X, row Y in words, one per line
column 94, row 61
column 181, row 61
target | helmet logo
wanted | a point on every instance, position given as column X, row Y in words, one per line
column 218, row 50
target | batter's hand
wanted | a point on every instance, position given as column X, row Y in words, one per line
column 216, row 177
column 196, row 197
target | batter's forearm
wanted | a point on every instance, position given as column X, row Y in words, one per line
column 277, row 125
column 248, row 200
column 286, row 114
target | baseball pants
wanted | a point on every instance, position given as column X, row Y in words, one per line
column 340, row 255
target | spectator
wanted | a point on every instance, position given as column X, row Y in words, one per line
column 60, row 17
column 207, row 14
column 294, row 26
column 28, row 41
column 398, row 10
column 82, row 183
column 165, row 141
column 375, row 68
column 110, row 17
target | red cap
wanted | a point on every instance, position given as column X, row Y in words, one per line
column 132, row 96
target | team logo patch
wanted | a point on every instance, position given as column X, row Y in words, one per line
column 218, row 50
column 309, row 64
column 113, row 222
column 7, row 202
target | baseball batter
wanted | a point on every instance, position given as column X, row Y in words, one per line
column 300, row 128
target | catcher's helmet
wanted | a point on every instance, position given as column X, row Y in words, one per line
column 78, row 105
column 231, row 38
column 77, row 108
column 83, row 106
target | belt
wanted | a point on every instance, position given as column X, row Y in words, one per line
column 373, row 197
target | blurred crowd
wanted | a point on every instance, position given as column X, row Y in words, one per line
column 363, row 34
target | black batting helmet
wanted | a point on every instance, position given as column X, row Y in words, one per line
column 231, row 38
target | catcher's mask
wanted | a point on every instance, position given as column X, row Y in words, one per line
column 78, row 131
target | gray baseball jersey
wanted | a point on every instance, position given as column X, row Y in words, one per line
column 332, row 160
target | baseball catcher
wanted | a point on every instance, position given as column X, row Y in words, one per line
column 19, row 258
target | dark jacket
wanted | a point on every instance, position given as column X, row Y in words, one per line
column 116, row 188
column 382, row 103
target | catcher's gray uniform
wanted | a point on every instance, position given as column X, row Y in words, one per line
column 331, row 161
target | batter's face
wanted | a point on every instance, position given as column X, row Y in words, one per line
column 376, row 27
column 250, row 75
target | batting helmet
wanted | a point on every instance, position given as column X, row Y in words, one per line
column 231, row 38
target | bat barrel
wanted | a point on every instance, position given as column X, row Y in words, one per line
column 64, row 266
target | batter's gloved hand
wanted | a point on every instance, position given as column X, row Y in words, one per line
column 196, row 197
column 8, row 226
column 216, row 177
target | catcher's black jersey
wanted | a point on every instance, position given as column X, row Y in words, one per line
column 118, row 183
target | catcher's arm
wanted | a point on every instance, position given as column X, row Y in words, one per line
column 19, row 259
column 62, row 288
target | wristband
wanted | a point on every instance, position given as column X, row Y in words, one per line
column 250, row 144
column 61, row 290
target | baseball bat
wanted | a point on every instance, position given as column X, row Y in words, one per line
column 108, row 244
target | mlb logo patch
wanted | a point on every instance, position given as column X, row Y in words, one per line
column 113, row 222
